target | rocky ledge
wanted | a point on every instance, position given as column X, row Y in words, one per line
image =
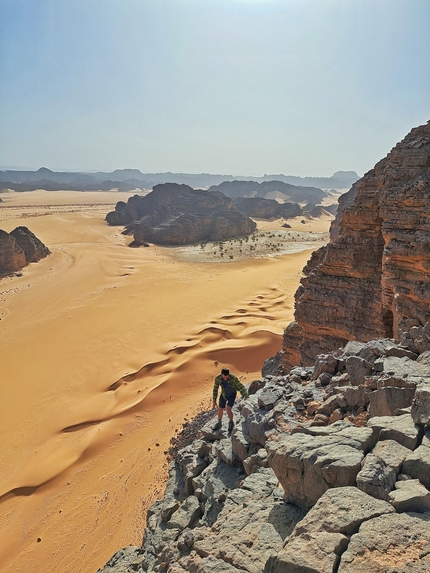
column 18, row 249
column 327, row 470
column 175, row 214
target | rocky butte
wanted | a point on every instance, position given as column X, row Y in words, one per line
column 372, row 278
column 175, row 214
column 18, row 249
column 327, row 469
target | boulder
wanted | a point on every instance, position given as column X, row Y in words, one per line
column 187, row 514
column 403, row 372
column 376, row 478
column 309, row 553
column 341, row 510
column 392, row 453
column 420, row 410
column 357, row 369
column 389, row 544
column 399, row 428
column 417, row 464
column 385, row 401
column 410, row 496
column 309, row 464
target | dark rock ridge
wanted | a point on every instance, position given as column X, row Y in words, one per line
column 262, row 208
column 327, row 469
column 177, row 215
column 372, row 279
column 294, row 193
column 267, row 208
column 128, row 179
column 18, row 249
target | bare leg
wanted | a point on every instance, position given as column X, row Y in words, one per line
column 229, row 413
column 220, row 413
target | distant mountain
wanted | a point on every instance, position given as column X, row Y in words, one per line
column 133, row 178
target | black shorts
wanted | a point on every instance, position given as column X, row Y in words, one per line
column 230, row 400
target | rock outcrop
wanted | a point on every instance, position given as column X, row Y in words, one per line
column 18, row 249
column 267, row 208
column 177, row 215
column 296, row 193
column 308, row 480
column 372, row 279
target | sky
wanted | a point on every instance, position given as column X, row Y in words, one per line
column 251, row 87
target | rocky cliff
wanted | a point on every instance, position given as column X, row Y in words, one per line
column 373, row 276
column 175, row 214
column 326, row 470
column 296, row 193
column 18, row 249
column 267, row 208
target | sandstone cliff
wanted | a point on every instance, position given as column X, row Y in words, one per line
column 18, row 249
column 373, row 276
column 175, row 214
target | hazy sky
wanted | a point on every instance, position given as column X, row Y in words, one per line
column 300, row 87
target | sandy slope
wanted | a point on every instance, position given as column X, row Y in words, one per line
column 105, row 352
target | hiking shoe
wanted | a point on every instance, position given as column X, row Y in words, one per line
column 217, row 426
column 230, row 426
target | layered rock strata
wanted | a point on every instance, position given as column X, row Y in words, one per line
column 327, row 469
column 372, row 279
column 18, row 249
column 175, row 214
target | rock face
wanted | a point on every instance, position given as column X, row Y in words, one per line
column 177, row 215
column 267, row 208
column 296, row 193
column 18, row 249
column 307, row 481
column 372, row 279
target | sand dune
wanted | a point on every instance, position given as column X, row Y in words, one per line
column 106, row 351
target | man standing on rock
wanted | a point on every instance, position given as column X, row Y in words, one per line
column 230, row 385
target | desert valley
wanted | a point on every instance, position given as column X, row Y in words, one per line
column 107, row 351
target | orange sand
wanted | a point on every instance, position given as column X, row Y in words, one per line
column 105, row 352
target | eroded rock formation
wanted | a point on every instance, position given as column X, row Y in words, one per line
column 309, row 480
column 18, row 249
column 175, row 214
column 267, row 208
column 372, row 278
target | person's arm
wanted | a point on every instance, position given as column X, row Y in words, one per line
column 239, row 386
column 215, row 391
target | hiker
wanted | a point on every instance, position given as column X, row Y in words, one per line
column 230, row 385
